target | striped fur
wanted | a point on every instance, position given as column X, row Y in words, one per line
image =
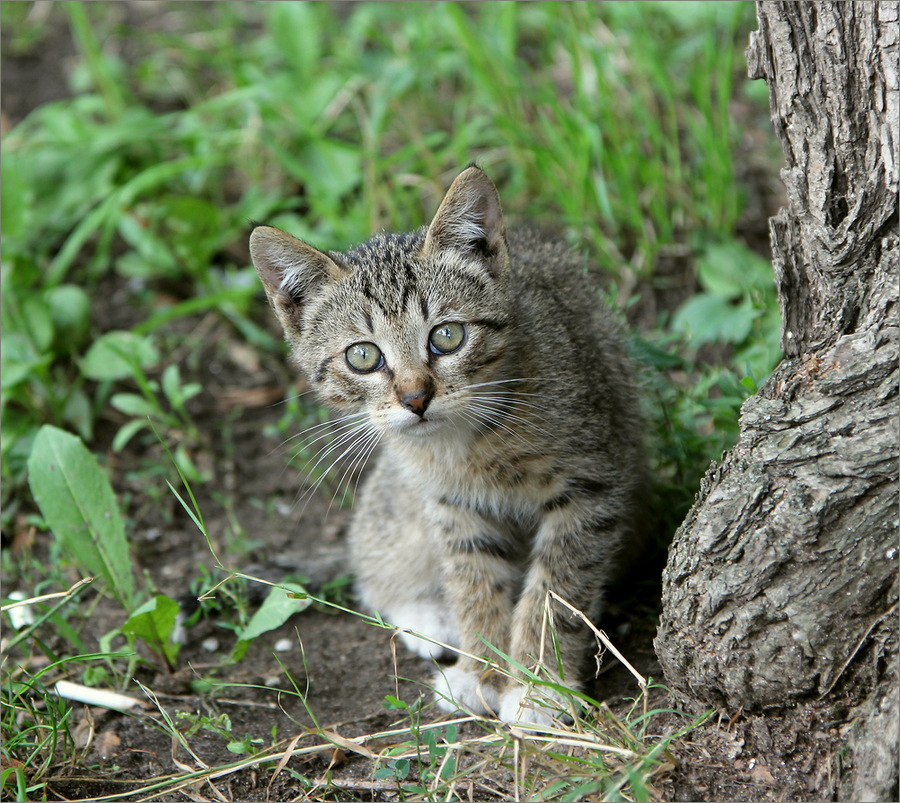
column 523, row 471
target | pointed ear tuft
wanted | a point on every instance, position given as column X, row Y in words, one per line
column 469, row 219
column 290, row 271
column 288, row 265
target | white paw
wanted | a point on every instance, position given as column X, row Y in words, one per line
column 457, row 689
column 431, row 621
column 530, row 705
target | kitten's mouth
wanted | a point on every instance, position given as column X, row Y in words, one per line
column 408, row 425
column 420, row 427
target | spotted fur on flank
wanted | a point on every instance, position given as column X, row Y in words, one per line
column 504, row 469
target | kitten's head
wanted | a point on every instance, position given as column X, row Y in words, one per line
column 402, row 327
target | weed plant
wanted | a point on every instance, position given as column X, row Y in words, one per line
column 125, row 213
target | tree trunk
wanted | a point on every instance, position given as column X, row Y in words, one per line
column 786, row 567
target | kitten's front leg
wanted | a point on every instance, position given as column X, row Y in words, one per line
column 572, row 557
column 479, row 581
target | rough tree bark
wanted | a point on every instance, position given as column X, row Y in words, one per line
column 786, row 567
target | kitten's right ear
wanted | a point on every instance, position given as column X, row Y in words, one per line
column 469, row 220
column 290, row 271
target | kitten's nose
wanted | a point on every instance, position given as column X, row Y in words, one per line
column 416, row 401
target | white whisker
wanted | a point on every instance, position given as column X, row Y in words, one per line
column 501, row 400
column 323, row 424
column 336, row 432
column 366, row 447
column 499, row 407
column 287, row 399
column 350, row 442
column 507, row 394
column 312, row 430
column 349, row 434
column 492, row 418
column 506, row 381
column 365, row 461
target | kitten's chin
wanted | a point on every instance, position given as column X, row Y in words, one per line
column 418, row 428
column 436, row 426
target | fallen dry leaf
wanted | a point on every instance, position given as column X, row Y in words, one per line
column 107, row 744
column 348, row 744
column 83, row 732
column 250, row 397
column 761, row 774
column 244, row 356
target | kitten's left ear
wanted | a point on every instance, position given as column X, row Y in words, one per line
column 469, row 220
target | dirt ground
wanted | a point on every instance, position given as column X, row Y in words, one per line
column 344, row 666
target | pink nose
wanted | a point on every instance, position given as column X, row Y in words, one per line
column 416, row 401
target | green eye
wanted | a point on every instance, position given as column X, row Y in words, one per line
column 364, row 357
column 446, row 338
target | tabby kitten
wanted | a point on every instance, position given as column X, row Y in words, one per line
column 510, row 464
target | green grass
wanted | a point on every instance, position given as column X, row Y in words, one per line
column 611, row 122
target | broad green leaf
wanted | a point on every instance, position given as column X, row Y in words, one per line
column 277, row 608
column 17, row 358
column 706, row 318
column 38, row 322
column 79, row 506
column 188, row 467
column 132, row 265
column 390, row 701
column 153, row 251
column 730, row 269
column 132, row 404
column 70, row 308
column 171, row 381
column 114, row 355
column 127, row 431
column 175, row 392
column 79, row 413
column 240, row 650
column 188, row 391
column 652, row 354
column 154, row 624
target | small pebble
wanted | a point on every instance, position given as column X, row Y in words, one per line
column 284, row 645
column 23, row 616
column 210, row 644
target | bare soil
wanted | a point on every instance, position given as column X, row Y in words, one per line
column 343, row 666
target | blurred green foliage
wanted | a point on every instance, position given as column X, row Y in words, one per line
column 126, row 208
column 612, row 122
